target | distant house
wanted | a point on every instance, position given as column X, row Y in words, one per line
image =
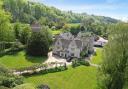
column 68, row 46
column 100, row 42
column 36, row 27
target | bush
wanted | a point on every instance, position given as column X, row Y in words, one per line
column 24, row 86
column 42, row 86
column 75, row 63
column 84, row 62
column 13, row 47
column 78, row 62
column 44, row 71
column 17, row 47
column 2, row 87
column 7, row 79
column 8, row 44
column 84, row 53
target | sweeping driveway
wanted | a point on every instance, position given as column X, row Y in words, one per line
column 54, row 58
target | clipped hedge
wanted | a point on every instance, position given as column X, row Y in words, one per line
column 78, row 62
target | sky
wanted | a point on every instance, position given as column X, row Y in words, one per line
column 113, row 8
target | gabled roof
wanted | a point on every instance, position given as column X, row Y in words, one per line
column 65, row 43
column 78, row 43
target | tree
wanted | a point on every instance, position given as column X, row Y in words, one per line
column 75, row 29
column 38, row 44
column 25, row 34
column 17, row 30
column 113, row 72
column 6, row 32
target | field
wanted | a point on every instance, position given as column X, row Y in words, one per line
column 79, row 78
column 20, row 60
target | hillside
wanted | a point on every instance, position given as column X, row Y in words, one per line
column 27, row 12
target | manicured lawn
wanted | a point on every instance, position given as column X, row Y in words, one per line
column 79, row 78
column 97, row 59
column 55, row 32
column 20, row 60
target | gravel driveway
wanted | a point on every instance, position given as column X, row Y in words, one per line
column 52, row 58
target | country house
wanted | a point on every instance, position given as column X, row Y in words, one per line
column 67, row 45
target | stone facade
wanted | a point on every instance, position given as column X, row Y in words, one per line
column 68, row 46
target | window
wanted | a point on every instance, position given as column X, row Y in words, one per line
column 58, row 43
column 72, row 54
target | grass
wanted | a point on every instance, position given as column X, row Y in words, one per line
column 55, row 32
column 20, row 60
column 97, row 59
column 73, row 24
column 79, row 78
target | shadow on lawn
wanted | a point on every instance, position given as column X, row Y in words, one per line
column 36, row 59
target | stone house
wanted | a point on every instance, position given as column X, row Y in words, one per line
column 68, row 46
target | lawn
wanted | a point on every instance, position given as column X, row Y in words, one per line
column 74, row 78
column 56, row 32
column 20, row 60
column 73, row 24
column 97, row 59
column 79, row 78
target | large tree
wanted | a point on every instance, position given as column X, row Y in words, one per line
column 114, row 73
column 6, row 32
column 38, row 44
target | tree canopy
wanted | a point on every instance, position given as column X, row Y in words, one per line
column 113, row 71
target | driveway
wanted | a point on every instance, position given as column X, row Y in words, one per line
column 52, row 58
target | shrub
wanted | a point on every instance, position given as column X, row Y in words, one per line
column 84, row 62
column 7, row 79
column 78, row 62
column 2, row 87
column 42, row 86
column 84, row 53
column 8, row 44
column 43, row 71
column 24, row 86
column 75, row 63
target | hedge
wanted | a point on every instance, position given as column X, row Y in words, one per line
column 78, row 62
